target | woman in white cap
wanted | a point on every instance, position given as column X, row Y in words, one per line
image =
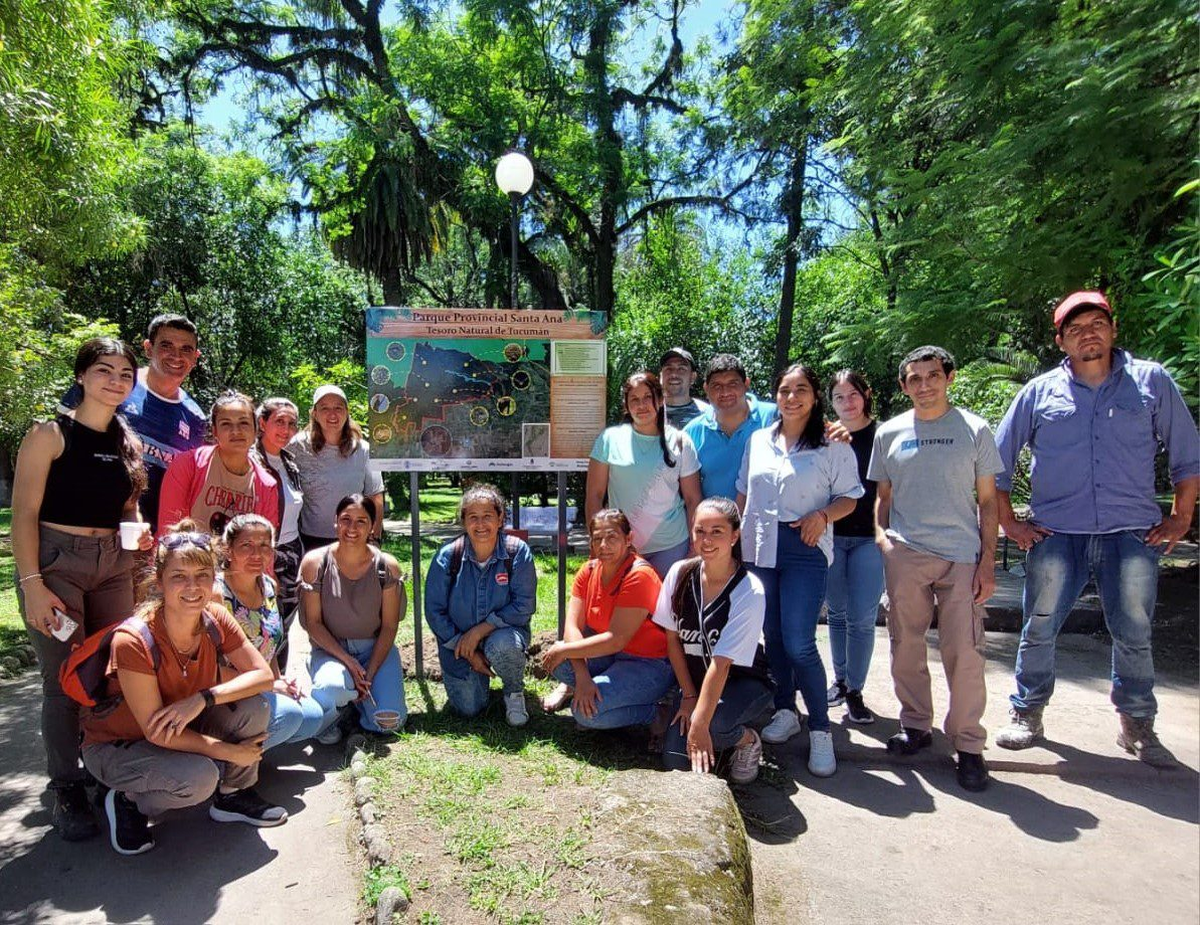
column 334, row 461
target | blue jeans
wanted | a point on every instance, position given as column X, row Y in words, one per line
column 1125, row 570
column 852, row 593
column 292, row 720
column 466, row 688
column 333, row 687
column 630, row 688
column 742, row 700
column 662, row 560
column 795, row 590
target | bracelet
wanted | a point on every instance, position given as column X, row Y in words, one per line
column 210, row 699
column 690, row 697
column 22, row 581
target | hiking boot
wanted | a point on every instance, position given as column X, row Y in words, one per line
column 972, row 772
column 909, row 741
column 128, row 829
column 836, row 694
column 783, row 725
column 856, row 710
column 248, row 807
column 743, row 768
column 1024, row 728
column 1137, row 737
column 515, row 712
column 821, row 762
column 72, row 816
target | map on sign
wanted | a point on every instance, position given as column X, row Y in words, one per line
column 461, row 388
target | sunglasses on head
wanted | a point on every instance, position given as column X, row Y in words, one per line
column 175, row 540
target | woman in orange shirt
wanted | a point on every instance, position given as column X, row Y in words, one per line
column 612, row 660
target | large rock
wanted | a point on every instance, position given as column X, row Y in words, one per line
column 680, row 837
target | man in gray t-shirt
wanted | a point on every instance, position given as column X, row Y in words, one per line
column 936, row 521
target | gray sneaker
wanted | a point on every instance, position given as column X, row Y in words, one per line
column 1024, row 728
column 1137, row 737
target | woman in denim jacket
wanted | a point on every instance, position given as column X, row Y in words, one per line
column 479, row 597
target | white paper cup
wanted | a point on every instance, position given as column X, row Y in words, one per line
column 131, row 533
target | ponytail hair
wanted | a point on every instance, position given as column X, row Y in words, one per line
column 650, row 381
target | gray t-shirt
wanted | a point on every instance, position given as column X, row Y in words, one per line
column 327, row 477
column 932, row 466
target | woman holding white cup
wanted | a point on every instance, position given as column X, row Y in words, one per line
column 78, row 478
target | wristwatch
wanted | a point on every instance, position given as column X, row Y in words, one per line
column 210, row 699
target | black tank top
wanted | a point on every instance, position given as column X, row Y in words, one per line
column 87, row 485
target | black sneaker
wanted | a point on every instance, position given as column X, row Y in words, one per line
column 836, row 693
column 248, row 807
column 856, row 710
column 128, row 829
column 73, row 817
column 909, row 741
column 972, row 772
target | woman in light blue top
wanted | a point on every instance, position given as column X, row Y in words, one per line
column 649, row 471
column 792, row 485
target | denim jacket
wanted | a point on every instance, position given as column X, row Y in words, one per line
column 482, row 593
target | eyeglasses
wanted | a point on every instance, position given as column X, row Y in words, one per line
column 175, row 540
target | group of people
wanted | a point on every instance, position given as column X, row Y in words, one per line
column 719, row 530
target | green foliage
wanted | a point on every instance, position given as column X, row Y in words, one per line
column 378, row 879
column 675, row 290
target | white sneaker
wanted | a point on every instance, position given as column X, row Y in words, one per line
column 743, row 769
column 330, row 736
column 821, row 762
column 783, row 725
column 514, row 709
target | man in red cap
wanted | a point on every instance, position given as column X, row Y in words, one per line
column 1094, row 424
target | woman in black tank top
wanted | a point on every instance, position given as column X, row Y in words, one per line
column 76, row 479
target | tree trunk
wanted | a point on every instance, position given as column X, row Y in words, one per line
column 6, row 477
column 792, row 201
column 393, row 287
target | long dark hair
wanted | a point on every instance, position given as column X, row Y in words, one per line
column 650, row 381
column 91, row 352
column 813, row 435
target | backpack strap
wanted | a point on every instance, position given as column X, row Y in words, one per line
column 142, row 628
column 458, row 549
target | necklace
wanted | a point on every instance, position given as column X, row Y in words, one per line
column 180, row 658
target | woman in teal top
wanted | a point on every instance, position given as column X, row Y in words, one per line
column 649, row 471
column 250, row 595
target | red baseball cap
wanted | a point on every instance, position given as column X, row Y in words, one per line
column 1088, row 298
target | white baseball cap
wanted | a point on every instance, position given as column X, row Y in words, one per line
column 323, row 390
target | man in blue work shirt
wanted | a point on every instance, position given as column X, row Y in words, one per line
column 1093, row 425
column 721, row 433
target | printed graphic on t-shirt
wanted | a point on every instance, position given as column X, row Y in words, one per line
column 222, row 497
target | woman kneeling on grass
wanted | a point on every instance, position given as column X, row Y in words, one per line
column 480, row 594
column 712, row 610
column 175, row 734
column 613, row 657
column 251, row 595
column 351, row 603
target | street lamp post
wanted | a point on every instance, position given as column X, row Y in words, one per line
column 514, row 176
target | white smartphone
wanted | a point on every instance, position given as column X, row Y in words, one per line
column 66, row 626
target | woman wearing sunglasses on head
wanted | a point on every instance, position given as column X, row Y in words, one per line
column 170, row 732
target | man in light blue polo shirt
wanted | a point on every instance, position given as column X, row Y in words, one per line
column 721, row 433
column 1094, row 424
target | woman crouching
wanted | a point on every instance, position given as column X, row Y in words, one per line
column 175, row 734
column 712, row 609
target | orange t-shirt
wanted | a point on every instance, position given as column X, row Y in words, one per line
column 129, row 653
column 635, row 586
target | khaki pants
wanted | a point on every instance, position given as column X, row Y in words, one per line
column 160, row 779
column 93, row 576
column 918, row 585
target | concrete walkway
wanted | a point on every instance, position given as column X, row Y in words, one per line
column 199, row 871
column 1075, row 831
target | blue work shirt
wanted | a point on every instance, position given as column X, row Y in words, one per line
column 483, row 593
column 720, row 455
column 1093, row 449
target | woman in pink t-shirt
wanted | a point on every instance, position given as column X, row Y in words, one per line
column 612, row 661
column 213, row 484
